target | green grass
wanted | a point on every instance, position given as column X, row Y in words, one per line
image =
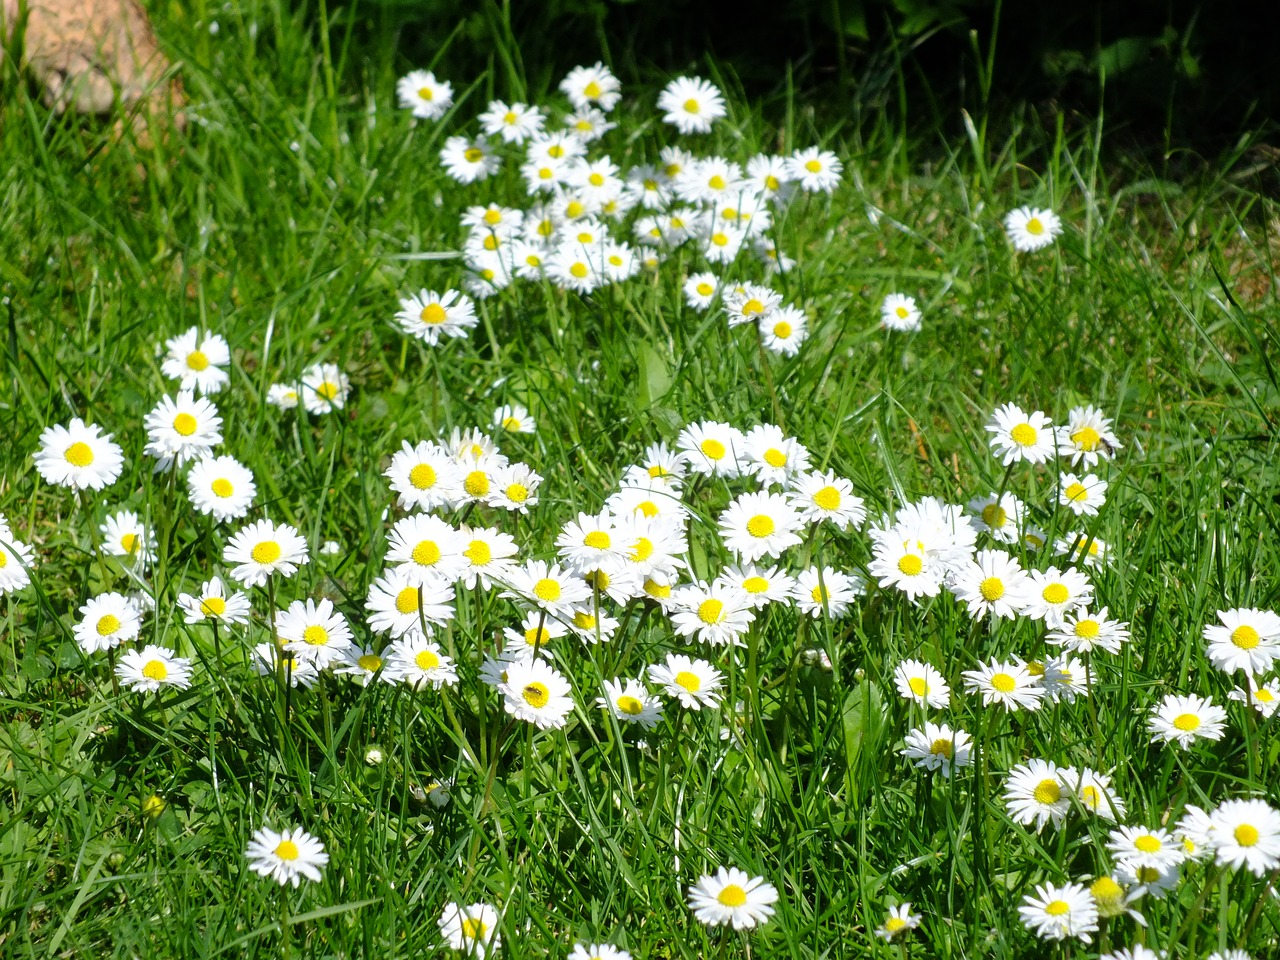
column 288, row 221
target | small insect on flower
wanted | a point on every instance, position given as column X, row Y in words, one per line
column 899, row 312
column 427, row 97
column 287, row 857
column 78, row 455
column 152, row 667
column 1058, row 912
column 471, row 930
column 898, row 921
column 197, row 360
column 536, row 692
column 1186, row 719
column 1031, row 228
column 731, row 896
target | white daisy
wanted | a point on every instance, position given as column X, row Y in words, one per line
column 922, row 683
column 324, row 388
column 1009, row 684
column 593, row 86
column 1082, row 495
column 125, row 535
column 1082, row 632
column 78, row 455
column 898, row 921
column 714, row 615
column 427, row 97
column 938, row 747
column 471, row 930
column 1053, row 595
column 695, row 683
column 899, row 312
column 691, row 104
column 1086, row 437
column 734, row 897
column 469, row 160
column 1021, row 437
column 815, row 169
column 536, row 692
column 1246, row 833
column 197, row 361
column 1186, row 719
column 757, row 525
column 263, row 548
column 993, row 584
column 514, row 123
column 1058, row 912
column 286, row 857
column 1248, row 639
column 106, row 621
column 1001, row 517
column 182, row 429
column 419, row 662
column 314, row 631
column 1031, row 228
column 712, row 448
column 426, row 548
column 784, row 331
column 429, row 316
column 214, row 603
column 826, row 593
column 762, row 585
column 1039, row 792
column 630, row 702
column 151, row 668
column 222, row 487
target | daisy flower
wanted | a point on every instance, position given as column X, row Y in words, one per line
column 731, row 896
column 270, row 660
column 152, row 667
column 1030, row 229
column 1021, row 437
column 904, row 565
column 471, row 930
column 1194, row 829
column 1083, row 632
column 695, row 683
column 772, row 456
column 1008, row 684
column 1136, row 952
column 1054, row 594
column 1246, row 833
column 197, row 361
column 1139, row 846
column 418, row 662
column 1055, row 913
column 362, row 665
column 314, row 631
column 1148, row 881
column 700, row 290
column 515, row 122
column 263, row 548
column 513, row 418
column 630, row 702
column 748, row 302
column 898, row 921
column 1265, row 697
column 1185, row 719
column 589, row 124
column 182, row 430
column 548, row 587
column 427, row 97
column 324, row 388
column 125, row 535
column 214, row 603
column 1225, row 955
column 1038, row 792
column 691, row 105
column 222, row 487
column 993, row 584
column 591, row 543
column 815, row 170
column 757, row 525
column 78, row 455
column 426, row 548
column 1114, row 900
column 1082, row 495
column 513, row 487
column 783, row 331
column 425, row 476
column 1086, row 437
column 1083, row 547
column 1094, row 791
column 283, row 396
column 536, row 692
column 825, row 496
column 488, row 554
column 469, row 160
column 107, row 621
column 715, row 615
column 593, row 625
column 15, row 561
column 1247, row 639
column 429, row 316
column 597, row 951
column 1001, row 517
column 922, row 684
column 286, row 857
column 761, row 585
column 899, row 312
column 938, row 747
column 1066, row 678
column 828, row 592
column 655, row 546
column 711, row 448
column 593, row 86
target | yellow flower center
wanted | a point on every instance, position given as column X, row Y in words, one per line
column 828, row 498
column 477, row 483
column 426, row 553
column 1035, row 227
column 478, row 553
column 716, row 182
column 755, row 584
column 642, row 551
column 536, row 695
column 79, row 454
column 775, row 458
column 1186, row 722
column 370, row 661
column 690, row 681
column 196, row 360
column 1091, row 797
column 579, row 270
column 630, row 706
column 473, row 154
column 315, row 635
column 1047, row 792
column 942, row 747
column 473, row 929
column 732, row 896
column 1263, row 695
column 782, row 330
column 992, row 589
column 222, row 487
column 911, row 565
column 1245, row 637
column 433, row 314
column 691, row 106
column 1246, row 835
column 1077, row 492
column 153, row 806
column 919, row 686
column 328, row 390
column 994, row 516
column 1055, row 593
column 752, row 307
column 1087, row 629
column 894, row 924
column 1105, row 890
column 1147, row 874
column 1003, row 683
column 1024, row 434
column 597, row 540
column 659, row 591
column 584, row 621
column 517, row 492
column 422, row 476
column 813, row 166
column 426, row 660
column 705, row 289
column 130, row 542
column 575, row 209
column 407, row 600
column 1148, row 844
column 720, row 239
column 494, row 217
column 1057, row 908
column 711, row 611
column 155, row 670
column 1086, row 438
column 760, row 525
column 426, row 93
column 213, row 606
column 771, row 182
column 268, row 551
column 713, row 449
column 547, row 590
column 185, row 424
column 592, row 90
column 287, row 850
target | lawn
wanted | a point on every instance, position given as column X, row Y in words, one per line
column 453, row 735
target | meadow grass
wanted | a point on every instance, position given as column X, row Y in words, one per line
column 299, row 208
